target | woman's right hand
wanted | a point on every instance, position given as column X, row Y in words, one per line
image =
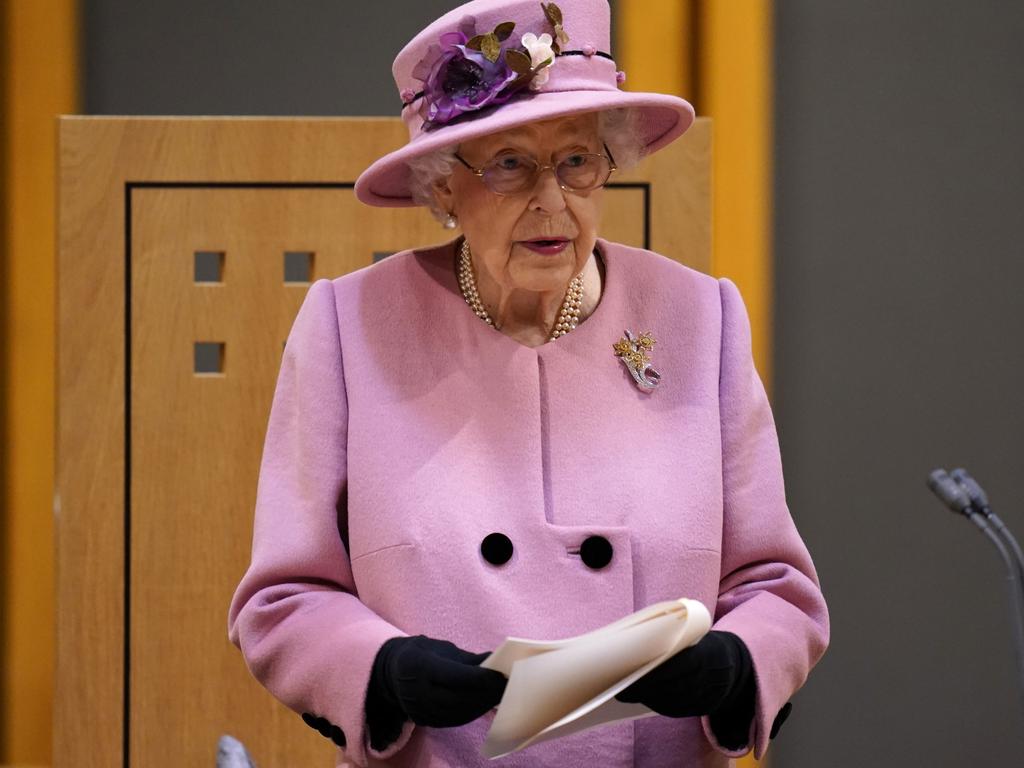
column 431, row 682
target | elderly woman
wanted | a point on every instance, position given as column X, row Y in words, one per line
column 528, row 431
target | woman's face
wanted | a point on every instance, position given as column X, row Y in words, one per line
column 496, row 225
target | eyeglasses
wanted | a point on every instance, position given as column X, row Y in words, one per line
column 512, row 172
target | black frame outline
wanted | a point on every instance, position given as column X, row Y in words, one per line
column 129, row 187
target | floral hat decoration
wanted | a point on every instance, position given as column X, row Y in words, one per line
column 490, row 65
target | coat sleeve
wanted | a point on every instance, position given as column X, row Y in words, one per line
column 302, row 629
column 769, row 593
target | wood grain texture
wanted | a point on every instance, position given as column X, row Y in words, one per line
column 137, row 198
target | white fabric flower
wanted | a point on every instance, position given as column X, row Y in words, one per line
column 539, row 48
column 540, row 51
column 539, row 79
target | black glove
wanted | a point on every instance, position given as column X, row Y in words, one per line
column 431, row 682
column 715, row 677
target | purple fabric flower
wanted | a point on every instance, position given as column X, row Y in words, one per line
column 461, row 80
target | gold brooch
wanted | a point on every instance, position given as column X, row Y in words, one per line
column 632, row 351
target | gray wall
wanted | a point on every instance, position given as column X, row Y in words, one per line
column 899, row 180
column 238, row 57
column 900, row 177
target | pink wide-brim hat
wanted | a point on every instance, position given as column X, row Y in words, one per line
column 582, row 78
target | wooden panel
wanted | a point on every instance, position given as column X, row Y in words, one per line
column 138, row 197
column 196, row 442
column 623, row 214
column 672, row 188
column 98, row 156
column 680, row 179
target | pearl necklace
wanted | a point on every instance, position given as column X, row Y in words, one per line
column 568, row 316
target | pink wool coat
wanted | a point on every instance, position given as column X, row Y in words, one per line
column 404, row 430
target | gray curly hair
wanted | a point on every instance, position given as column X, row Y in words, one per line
column 618, row 128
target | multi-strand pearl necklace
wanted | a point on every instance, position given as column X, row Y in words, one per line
column 568, row 315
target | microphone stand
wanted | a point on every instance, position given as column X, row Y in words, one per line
column 957, row 495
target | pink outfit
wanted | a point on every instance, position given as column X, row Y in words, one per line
column 404, row 430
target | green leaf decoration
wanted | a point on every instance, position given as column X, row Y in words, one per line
column 503, row 30
column 475, row 42
column 517, row 61
column 491, row 47
column 555, row 48
column 553, row 12
column 545, row 63
column 520, row 82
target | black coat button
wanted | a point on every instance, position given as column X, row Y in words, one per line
column 596, row 552
column 337, row 736
column 313, row 721
column 325, row 727
column 496, row 548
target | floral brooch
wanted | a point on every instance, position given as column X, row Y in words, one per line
column 632, row 350
column 465, row 72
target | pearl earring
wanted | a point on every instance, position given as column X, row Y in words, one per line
column 451, row 222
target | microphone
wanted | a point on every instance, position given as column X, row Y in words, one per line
column 979, row 501
column 958, row 497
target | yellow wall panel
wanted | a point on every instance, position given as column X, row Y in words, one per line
column 654, row 45
column 735, row 83
column 40, row 61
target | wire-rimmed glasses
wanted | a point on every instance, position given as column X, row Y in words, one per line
column 509, row 173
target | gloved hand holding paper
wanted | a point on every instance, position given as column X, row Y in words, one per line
column 559, row 687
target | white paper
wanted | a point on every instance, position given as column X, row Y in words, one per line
column 559, row 687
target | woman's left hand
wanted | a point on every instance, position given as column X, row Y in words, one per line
column 713, row 676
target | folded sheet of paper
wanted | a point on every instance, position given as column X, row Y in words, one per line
column 560, row 687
